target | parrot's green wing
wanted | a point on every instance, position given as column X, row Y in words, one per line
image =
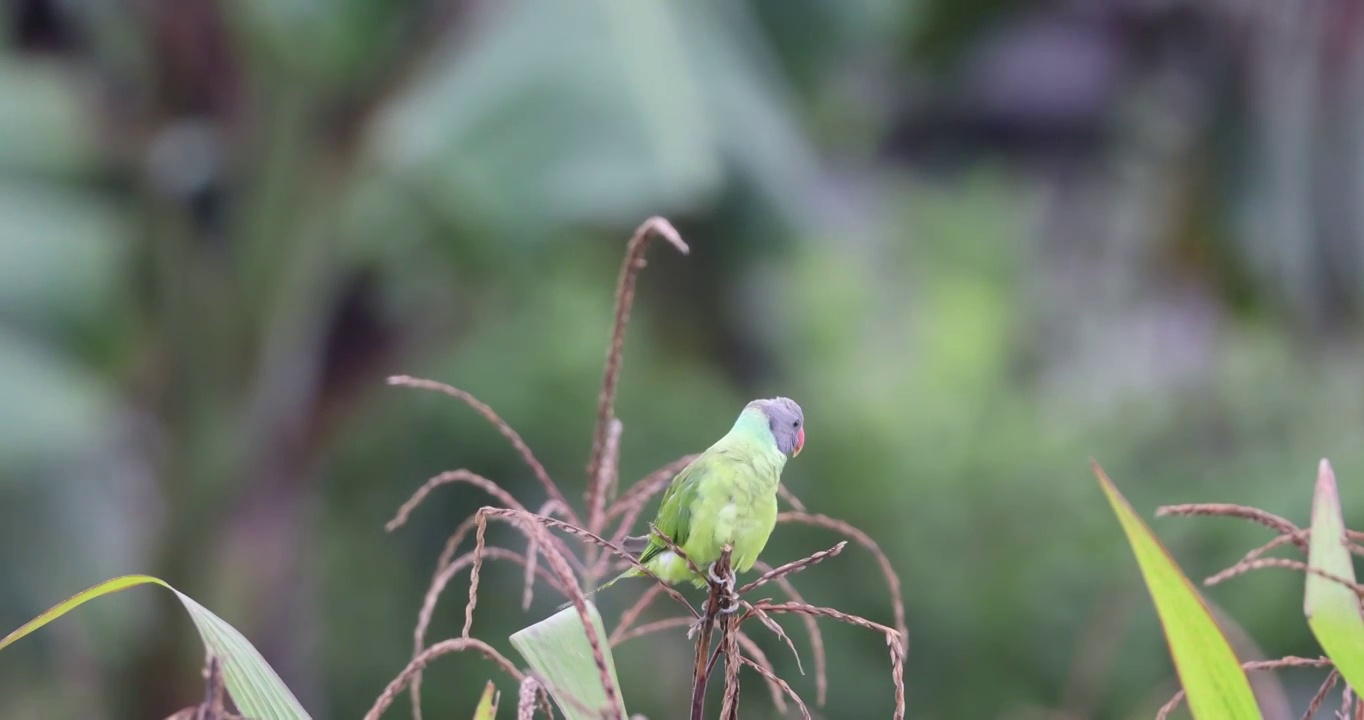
column 674, row 512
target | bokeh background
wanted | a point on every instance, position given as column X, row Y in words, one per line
column 981, row 242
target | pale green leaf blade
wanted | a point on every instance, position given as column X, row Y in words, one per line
column 107, row 587
column 1214, row 683
column 1332, row 608
column 558, row 651
column 487, row 706
column 254, row 686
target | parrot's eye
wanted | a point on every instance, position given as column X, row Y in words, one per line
column 795, row 423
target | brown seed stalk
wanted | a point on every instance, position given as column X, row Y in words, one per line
column 816, row 640
column 502, row 427
column 1285, row 662
column 1245, row 512
column 1262, row 563
column 861, row 538
column 752, row 650
column 1322, row 692
column 625, row 298
column 443, row 647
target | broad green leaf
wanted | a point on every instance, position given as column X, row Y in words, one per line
column 1214, row 683
column 1333, row 609
column 558, row 650
column 569, row 112
column 487, row 705
column 46, row 124
column 52, row 404
column 255, row 688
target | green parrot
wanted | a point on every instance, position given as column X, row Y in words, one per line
column 728, row 495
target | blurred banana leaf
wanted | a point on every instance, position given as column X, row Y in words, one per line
column 44, row 123
column 560, row 113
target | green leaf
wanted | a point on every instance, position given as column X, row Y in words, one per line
column 487, row 706
column 558, row 650
column 1332, row 608
column 255, row 688
column 1213, row 680
column 563, row 113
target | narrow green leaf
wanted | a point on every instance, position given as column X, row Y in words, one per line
column 1332, row 608
column 487, row 706
column 558, row 651
column 255, row 688
column 1214, row 683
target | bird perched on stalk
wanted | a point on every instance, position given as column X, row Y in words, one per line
column 727, row 496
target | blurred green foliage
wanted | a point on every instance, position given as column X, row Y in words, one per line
column 981, row 243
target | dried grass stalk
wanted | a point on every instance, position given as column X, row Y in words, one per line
column 816, row 639
column 465, row 476
column 839, row 615
column 893, row 639
column 532, row 554
column 603, row 508
column 775, row 627
column 213, row 706
column 700, row 670
column 607, row 475
column 593, row 538
column 446, row 478
column 861, row 538
column 729, row 704
column 679, row 552
column 652, row 627
column 443, row 647
column 625, row 298
column 632, row 613
column 1245, row 512
column 536, row 524
column 752, row 650
column 647, row 487
column 526, row 697
column 772, row 677
column 1320, row 696
column 428, row 608
column 790, row 498
column 1285, row 662
column 482, row 526
column 793, row 567
column 502, row 427
column 1262, row 563
column 629, row 507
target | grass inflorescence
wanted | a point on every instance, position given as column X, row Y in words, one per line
column 602, row 532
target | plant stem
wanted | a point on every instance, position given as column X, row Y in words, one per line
column 701, row 671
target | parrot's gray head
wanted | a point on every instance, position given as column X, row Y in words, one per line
column 786, row 421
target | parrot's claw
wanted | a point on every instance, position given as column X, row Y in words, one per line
column 725, row 581
column 712, row 576
column 731, row 606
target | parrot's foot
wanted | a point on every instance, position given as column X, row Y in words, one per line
column 714, row 578
column 729, row 600
column 726, row 581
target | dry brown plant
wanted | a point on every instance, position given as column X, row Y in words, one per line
column 602, row 531
column 1288, row 534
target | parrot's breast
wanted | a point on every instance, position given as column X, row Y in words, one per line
column 746, row 513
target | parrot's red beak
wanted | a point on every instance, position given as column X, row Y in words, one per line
column 800, row 442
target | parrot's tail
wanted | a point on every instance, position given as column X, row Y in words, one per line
column 628, row 573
